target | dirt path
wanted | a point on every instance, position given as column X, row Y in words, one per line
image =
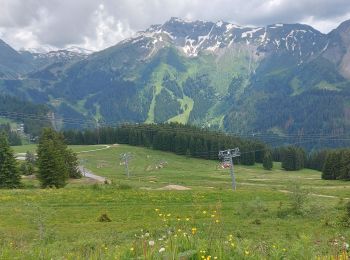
column 95, row 150
column 287, row 191
column 88, row 174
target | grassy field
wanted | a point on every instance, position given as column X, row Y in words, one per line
column 266, row 217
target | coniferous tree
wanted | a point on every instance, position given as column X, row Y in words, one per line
column 71, row 161
column 53, row 171
column 267, row 160
column 9, row 174
column 330, row 166
column 293, row 158
column 344, row 171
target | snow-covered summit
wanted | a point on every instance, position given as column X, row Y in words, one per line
column 193, row 37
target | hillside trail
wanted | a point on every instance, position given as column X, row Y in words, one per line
column 287, row 191
column 89, row 174
column 99, row 149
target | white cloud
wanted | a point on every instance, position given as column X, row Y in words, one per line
column 97, row 24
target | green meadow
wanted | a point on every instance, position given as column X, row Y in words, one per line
column 174, row 207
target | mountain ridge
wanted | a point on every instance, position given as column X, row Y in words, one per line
column 204, row 73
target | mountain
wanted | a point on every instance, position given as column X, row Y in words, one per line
column 281, row 79
column 11, row 62
column 16, row 64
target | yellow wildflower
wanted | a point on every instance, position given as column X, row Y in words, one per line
column 194, row 230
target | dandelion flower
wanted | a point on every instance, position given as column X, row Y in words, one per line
column 194, row 230
column 213, row 216
column 168, row 215
column 160, row 214
column 246, row 252
column 215, row 257
column 204, row 212
column 179, row 230
column 187, row 219
column 156, row 210
column 217, row 221
column 131, row 249
column 151, row 243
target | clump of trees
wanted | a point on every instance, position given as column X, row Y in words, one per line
column 56, row 163
column 293, row 158
column 9, row 173
column 337, row 165
column 13, row 137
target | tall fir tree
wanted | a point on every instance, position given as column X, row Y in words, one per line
column 293, row 158
column 53, row 170
column 9, row 173
column 267, row 160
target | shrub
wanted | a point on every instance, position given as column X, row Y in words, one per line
column 298, row 198
column 104, row 218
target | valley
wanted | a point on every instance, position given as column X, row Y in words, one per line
column 49, row 220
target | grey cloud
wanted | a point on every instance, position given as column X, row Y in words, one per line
column 101, row 23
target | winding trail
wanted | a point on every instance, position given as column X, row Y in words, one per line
column 95, row 150
column 89, row 174
column 287, row 191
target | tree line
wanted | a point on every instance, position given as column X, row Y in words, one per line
column 333, row 163
column 172, row 137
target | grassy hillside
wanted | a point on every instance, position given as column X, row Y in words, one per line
column 256, row 221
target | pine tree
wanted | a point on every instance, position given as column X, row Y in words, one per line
column 344, row 169
column 267, row 160
column 72, row 164
column 53, row 171
column 9, row 174
column 293, row 158
column 329, row 167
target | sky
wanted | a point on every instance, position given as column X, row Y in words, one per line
column 97, row 24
